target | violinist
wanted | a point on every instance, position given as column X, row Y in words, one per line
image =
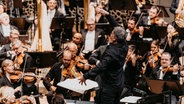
column 171, row 42
column 150, row 22
column 131, row 68
column 165, row 71
column 6, row 50
column 7, row 79
column 59, row 72
column 151, row 58
column 133, row 33
column 21, row 59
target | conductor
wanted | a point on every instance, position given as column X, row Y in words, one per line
column 110, row 69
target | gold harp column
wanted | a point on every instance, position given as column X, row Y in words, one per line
column 39, row 10
column 86, row 7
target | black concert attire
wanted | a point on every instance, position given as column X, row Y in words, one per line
column 173, row 48
column 5, row 82
column 3, row 52
column 131, row 77
column 5, row 39
column 55, row 33
column 100, row 39
column 111, row 73
column 30, row 90
column 55, row 73
column 174, row 6
column 151, row 31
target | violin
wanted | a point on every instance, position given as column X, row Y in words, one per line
column 19, row 60
column 158, row 21
column 15, row 76
column 70, row 72
column 153, row 59
column 168, row 69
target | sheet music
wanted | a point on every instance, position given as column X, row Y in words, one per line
column 130, row 99
column 73, row 84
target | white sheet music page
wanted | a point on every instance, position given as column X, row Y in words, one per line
column 74, row 85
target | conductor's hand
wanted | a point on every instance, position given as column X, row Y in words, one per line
column 82, row 80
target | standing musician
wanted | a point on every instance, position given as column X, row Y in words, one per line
column 60, row 72
column 171, row 41
column 52, row 12
column 151, row 58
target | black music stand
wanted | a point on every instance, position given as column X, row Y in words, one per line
column 43, row 59
column 158, row 86
column 161, row 31
column 162, row 12
column 142, row 47
column 123, row 4
column 64, row 24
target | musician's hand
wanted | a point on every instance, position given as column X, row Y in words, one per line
column 82, row 80
column 52, row 88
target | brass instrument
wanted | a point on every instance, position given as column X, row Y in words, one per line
column 179, row 19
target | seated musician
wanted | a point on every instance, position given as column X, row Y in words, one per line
column 131, row 68
column 151, row 21
column 92, row 37
column 79, row 61
column 77, row 39
column 171, row 41
column 6, row 28
column 151, row 58
column 165, row 71
column 21, row 59
column 60, row 72
column 29, row 86
column 133, row 33
column 8, row 79
column 7, row 48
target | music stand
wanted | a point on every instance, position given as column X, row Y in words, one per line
column 162, row 12
column 142, row 47
column 43, row 59
column 123, row 4
column 161, row 31
column 158, row 86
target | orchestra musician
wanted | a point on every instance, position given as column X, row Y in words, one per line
column 60, row 72
column 133, row 33
column 151, row 21
column 177, row 9
column 151, row 58
column 6, row 27
column 171, row 41
column 165, row 71
column 6, row 50
column 92, row 37
column 22, row 61
column 131, row 68
column 52, row 12
column 8, row 80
